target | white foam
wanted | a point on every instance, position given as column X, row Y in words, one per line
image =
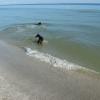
column 30, row 26
column 45, row 41
column 54, row 61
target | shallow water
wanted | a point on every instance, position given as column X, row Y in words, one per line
column 72, row 31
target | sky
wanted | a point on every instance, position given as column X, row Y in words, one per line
column 46, row 1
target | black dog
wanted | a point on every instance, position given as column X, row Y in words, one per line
column 39, row 23
column 40, row 39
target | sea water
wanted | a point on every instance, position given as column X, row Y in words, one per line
column 72, row 31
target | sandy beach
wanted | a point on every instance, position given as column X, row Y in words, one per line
column 26, row 78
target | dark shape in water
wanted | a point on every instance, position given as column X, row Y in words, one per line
column 39, row 23
column 40, row 39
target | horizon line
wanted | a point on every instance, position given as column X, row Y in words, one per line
column 51, row 4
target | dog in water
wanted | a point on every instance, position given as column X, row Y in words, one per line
column 39, row 23
column 40, row 39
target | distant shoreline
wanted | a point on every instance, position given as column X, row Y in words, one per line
column 53, row 4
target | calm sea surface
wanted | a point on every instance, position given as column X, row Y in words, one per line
column 72, row 31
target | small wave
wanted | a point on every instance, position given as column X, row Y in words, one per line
column 31, row 26
column 54, row 61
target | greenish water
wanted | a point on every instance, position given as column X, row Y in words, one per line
column 72, row 31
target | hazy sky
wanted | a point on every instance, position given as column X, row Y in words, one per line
column 48, row 1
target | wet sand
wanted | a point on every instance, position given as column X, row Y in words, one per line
column 25, row 78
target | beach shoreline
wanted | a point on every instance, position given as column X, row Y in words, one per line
column 26, row 78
